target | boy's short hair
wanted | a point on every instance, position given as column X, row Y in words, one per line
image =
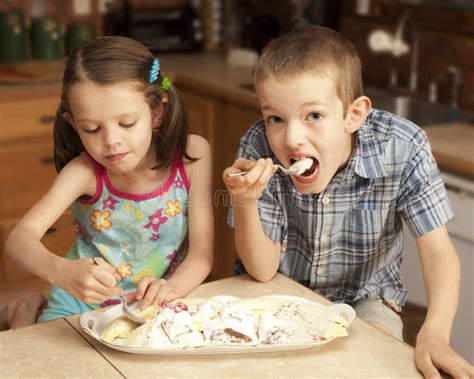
column 314, row 49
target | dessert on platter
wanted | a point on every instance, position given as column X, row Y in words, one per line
column 221, row 324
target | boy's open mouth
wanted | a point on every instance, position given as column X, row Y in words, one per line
column 310, row 171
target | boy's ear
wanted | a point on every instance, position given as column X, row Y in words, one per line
column 356, row 114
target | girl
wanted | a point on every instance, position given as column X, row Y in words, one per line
column 135, row 179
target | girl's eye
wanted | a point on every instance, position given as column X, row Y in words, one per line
column 91, row 131
column 127, row 125
column 273, row 120
column 315, row 117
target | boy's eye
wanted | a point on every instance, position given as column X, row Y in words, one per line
column 127, row 125
column 314, row 117
column 272, row 120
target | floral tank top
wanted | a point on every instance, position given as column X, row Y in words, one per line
column 139, row 235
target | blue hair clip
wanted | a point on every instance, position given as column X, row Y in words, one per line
column 154, row 70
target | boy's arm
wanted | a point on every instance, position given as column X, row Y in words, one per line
column 259, row 254
column 441, row 272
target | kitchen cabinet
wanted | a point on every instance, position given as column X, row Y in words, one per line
column 223, row 122
column 27, row 171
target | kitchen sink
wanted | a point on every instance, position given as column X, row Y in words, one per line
column 417, row 110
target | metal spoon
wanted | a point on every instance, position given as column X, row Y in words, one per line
column 128, row 313
column 296, row 168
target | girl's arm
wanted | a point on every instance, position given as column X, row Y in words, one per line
column 198, row 262
column 80, row 278
column 441, row 272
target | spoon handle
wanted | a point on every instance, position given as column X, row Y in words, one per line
column 285, row 170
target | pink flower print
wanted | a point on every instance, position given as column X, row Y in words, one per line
column 124, row 270
column 173, row 208
column 156, row 220
column 172, row 255
column 100, row 220
column 78, row 228
column 109, row 203
column 178, row 183
column 108, row 303
column 156, row 236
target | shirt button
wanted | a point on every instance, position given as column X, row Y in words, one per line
column 320, row 271
column 325, row 200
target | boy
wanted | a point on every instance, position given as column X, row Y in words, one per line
column 336, row 228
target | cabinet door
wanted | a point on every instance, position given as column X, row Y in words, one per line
column 27, row 117
column 58, row 239
column 201, row 114
column 237, row 119
column 27, row 171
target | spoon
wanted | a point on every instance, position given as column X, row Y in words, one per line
column 297, row 168
column 128, row 313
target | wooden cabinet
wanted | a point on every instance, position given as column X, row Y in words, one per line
column 27, row 118
column 26, row 173
column 201, row 113
column 223, row 123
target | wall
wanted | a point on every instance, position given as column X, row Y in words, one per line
column 446, row 38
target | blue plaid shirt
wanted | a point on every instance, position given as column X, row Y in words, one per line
column 347, row 242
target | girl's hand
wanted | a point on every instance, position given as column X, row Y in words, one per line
column 251, row 185
column 154, row 291
column 89, row 282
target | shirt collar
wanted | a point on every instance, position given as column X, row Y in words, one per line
column 369, row 154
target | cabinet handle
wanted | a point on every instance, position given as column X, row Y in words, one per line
column 46, row 119
column 50, row 230
column 47, row 160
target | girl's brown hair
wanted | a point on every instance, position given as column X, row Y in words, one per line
column 111, row 60
column 314, row 49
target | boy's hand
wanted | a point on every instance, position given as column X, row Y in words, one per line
column 89, row 281
column 154, row 291
column 251, row 185
column 432, row 353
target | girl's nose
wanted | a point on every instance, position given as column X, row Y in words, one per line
column 294, row 135
column 111, row 136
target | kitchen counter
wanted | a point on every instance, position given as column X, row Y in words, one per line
column 61, row 348
column 452, row 145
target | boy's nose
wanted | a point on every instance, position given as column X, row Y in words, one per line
column 294, row 135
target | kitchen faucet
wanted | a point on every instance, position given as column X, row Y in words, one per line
column 401, row 25
column 455, row 74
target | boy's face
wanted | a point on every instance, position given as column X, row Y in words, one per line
column 304, row 118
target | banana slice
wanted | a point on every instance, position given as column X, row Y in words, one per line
column 121, row 327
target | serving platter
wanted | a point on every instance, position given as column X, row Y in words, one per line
column 95, row 322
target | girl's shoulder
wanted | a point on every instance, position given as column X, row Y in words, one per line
column 198, row 147
column 80, row 172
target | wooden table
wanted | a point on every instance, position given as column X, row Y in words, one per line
column 60, row 348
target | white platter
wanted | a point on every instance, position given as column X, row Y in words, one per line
column 94, row 322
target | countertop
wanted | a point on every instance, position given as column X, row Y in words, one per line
column 209, row 74
column 61, row 348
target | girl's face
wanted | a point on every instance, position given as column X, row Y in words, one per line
column 114, row 122
column 304, row 117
